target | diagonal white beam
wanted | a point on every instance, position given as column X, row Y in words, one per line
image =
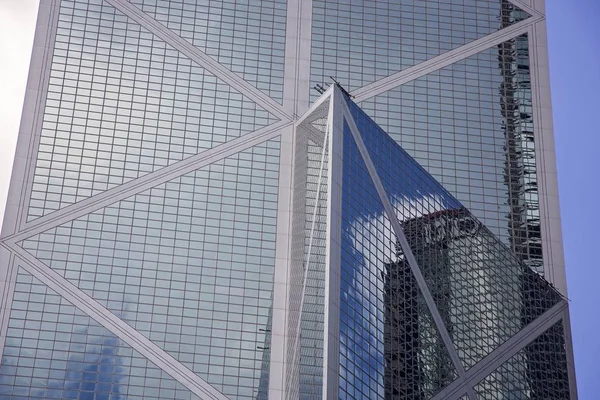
column 527, row 8
column 443, row 60
column 504, row 352
column 412, row 262
column 200, row 57
column 314, row 107
column 123, row 331
column 148, row 181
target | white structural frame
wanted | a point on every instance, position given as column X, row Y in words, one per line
column 296, row 101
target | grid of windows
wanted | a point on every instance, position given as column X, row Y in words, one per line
column 361, row 42
column 470, row 125
column 539, row 371
column 121, row 103
column 389, row 345
column 189, row 264
column 482, row 290
column 55, row 351
column 246, row 36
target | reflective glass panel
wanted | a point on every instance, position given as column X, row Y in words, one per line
column 189, row 264
column 246, row 36
column 122, row 103
column 481, row 288
column 359, row 42
column 55, row 351
column 389, row 344
column 539, row 371
column 470, row 125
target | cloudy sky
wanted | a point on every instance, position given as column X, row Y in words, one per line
column 17, row 24
column 574, row 40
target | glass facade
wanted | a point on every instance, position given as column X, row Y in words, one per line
column 193, row 216
column 53, row 350
column 189, row 264
column 470, row 125
column 485, row 292
column 537, row 372
column 390, row 347
column 360, row 42
column 247, row 37
column 122, row 103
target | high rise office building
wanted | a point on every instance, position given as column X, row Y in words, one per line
column 197, row 210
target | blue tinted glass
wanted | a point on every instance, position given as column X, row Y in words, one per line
column 411, row 188
column 470, row 124
column 387, row 337
column 482, row 290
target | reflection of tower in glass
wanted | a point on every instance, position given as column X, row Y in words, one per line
column 544, row 354
column 452, row 250
column 403, row 372
column 432, row 238
column 448, row 246
column 520, row 176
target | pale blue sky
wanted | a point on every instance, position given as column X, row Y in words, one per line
column 574, row 44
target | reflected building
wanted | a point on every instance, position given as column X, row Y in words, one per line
column 197, row 211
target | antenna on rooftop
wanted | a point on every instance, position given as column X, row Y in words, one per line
column 319, row 88
column 342, row 88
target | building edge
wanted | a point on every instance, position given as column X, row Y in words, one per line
column 15, row 213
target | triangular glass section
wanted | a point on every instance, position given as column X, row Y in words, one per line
column 389, row 344
column 487, row 293
column 470, row 124
column 539, row 371
column 121, row 103
column 189, row 264
column 53, row 350
column 360, row 42
column 247, row 37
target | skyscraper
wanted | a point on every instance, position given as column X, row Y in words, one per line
column 197, row 211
